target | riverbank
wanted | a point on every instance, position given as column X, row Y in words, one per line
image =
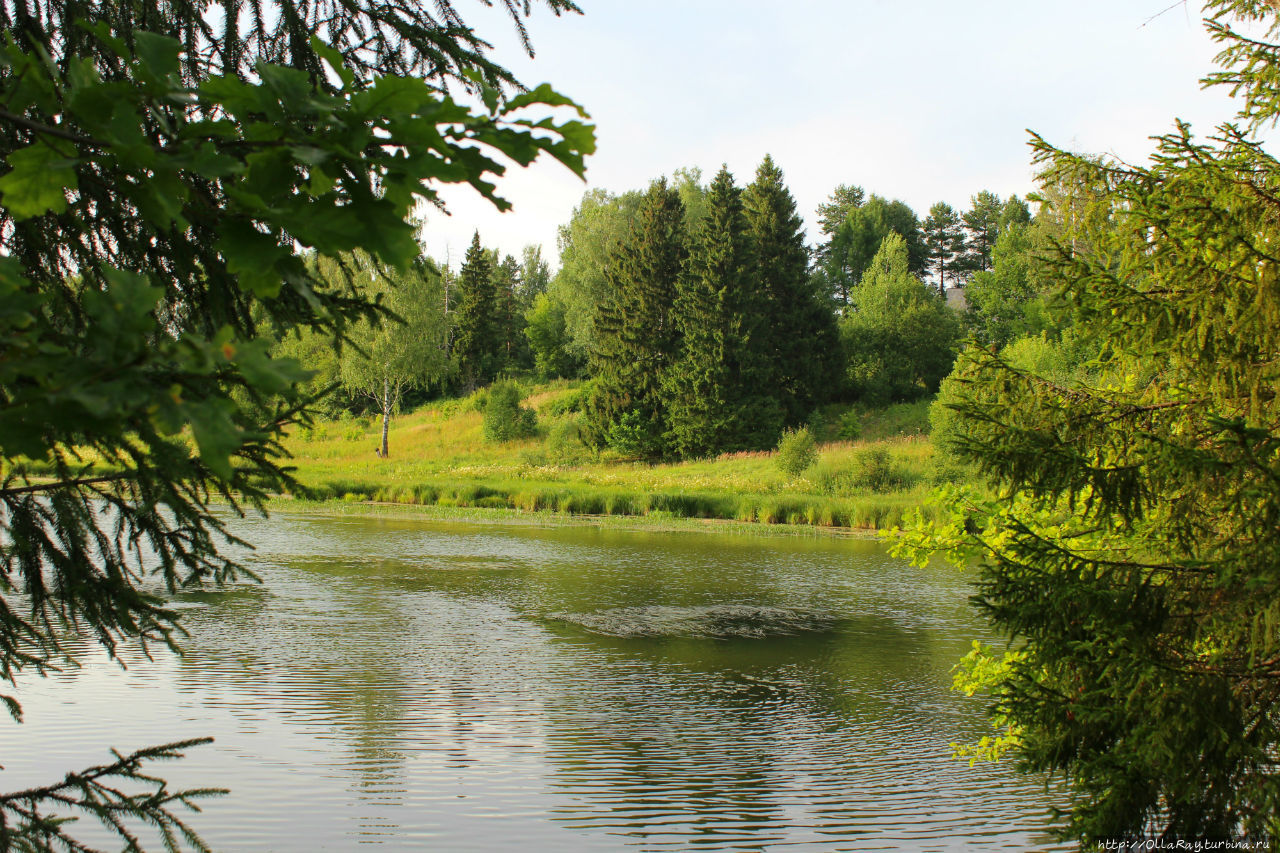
column 656, row 522
column 439, row 459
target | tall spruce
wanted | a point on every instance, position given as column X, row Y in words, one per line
column 476, row 342
column 800, row 338
column 508, row 314
column 716, row 390
column 636, row 340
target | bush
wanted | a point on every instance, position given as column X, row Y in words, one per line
column 504, row 419
column 876, row 471
column 850, row 425
column 564, row 443
column 633, row 437
column 568, row 403
column 797, row 451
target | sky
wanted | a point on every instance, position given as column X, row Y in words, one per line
column 925, row 101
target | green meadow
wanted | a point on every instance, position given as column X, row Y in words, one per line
column 439, row 457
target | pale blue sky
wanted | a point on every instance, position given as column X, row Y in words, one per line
column 925, row 101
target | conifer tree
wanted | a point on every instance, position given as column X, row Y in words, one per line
column 800, row 338
column 636, row 340
column 717, row 392
column 944, row 242
column 1131, row 554
column 476, row 343
column 981, row 227
column 512, row 346
column 832, row 213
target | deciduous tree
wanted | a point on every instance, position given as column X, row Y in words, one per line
column 385, row 357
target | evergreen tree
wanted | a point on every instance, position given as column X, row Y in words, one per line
column 832, row 213
column 508, row 314
column 476, row 342
column 982, row 227
column 717, row 391
column 636, row 340
column 1131, row 555
column 944, row 245
column 800, row 343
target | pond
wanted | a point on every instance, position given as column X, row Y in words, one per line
column 425, row 684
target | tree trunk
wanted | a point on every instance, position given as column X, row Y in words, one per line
column 386, row 414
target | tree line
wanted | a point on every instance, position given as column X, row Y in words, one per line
column 702, row 321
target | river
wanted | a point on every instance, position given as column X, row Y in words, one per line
column 421, row 684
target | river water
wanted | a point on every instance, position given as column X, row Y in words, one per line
column 446, row 686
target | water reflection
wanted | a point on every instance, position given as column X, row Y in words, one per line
column 475, row 688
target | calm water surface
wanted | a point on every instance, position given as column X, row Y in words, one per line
column 453, row 687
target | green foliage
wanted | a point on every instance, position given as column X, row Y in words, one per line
column 944, row 245
column 858, row 239
column 588, row 245
column 564, row 443
column 872, row 469
column 713, row 391
column 1009, row 300
column 511, row 346
column 504, row 418
column 799, row 340
column 162, row 232
column 385, row 357
column 105, row 793
column 1132, row 556
column 633, row 436
column 570, row 402
column 899, row 336
column 636, row 337
column 476, row 340
column 797, row 451
column 982, row 228
column 549, row 341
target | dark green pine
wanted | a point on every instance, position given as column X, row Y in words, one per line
column 801, row 345
column 476, row 339
column 717, row 391
column 636, row 338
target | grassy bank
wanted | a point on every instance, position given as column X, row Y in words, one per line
column 438, row 457
column 654, row 522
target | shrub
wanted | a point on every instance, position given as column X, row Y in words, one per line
column 570, row 402
column 564, row 443
column 797, row 451
column 504, row 419
column 850, row 425
column 633, row 437
column 876, row 471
